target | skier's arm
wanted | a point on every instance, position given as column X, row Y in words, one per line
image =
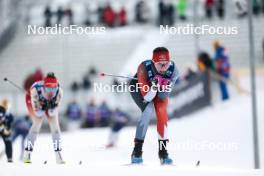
column 36, row 105
column 35, row 100
column 59, row 97
column 148, row 95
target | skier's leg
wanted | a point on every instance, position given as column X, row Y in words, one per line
column 22, row 145
column 224, row 91
column 33, row 132
column 8, row 148
column 143, row 121
column 113, row 137
column 141, row 131
column 162, row 117
column 37, row 119
column 162, row 128
column 142, row 125
column 31, row 138
column 14, row 135
column 53, row 120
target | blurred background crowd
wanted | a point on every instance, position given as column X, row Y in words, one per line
column 119, row 13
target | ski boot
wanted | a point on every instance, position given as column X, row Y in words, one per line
column 27, row 156
column 59, row 159
column 136, row 157
column 163, row 153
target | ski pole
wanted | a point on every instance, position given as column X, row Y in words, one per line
column 117, row 76
column 13, row 84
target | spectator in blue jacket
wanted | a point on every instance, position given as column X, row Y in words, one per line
column 73, row 111
column 222, row 68
column 105, row 114
column 91, row 115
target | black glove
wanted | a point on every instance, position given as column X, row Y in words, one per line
column 154, row 84
column 52, row 104
column 49, row 105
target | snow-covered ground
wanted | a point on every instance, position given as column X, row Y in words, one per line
column 220, row 137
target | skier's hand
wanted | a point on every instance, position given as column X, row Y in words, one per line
column 38, row 106
column 161, row 82
column 155, row 84
column 51, row 105
column 7, row 132
column 2, row 127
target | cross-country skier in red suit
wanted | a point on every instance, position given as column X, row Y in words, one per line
column 154, row 82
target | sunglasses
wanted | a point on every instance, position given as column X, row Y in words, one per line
column 162, row 64
column 51, row 89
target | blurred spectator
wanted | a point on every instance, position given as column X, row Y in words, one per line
column 36, row 76
column 69, row 14
column 162, row 12
column 75, row 87
column 181, row 9
column 60, row 14
column 205, row 62
column 105, row 114
column 222, row 68
column 220, row 7
column 170, row 14
column 166, row 13
column 122, row 17
column 73, row 111
column 120, row 119
column 88, row 15
column 109, row 16
column 5, row 133
column 100, row 12
column 47, row 16
column 142, row 12
column 21, row 127
column 256, row 7
column 86, row 82
column 8, row 115
column 91, row 115
column 92, row 71
column 209, row 6
column 6, row 121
